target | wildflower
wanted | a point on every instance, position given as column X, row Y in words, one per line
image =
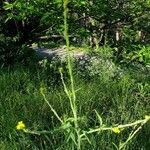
column 147, row 117
column 20, row 125
column 116, row 130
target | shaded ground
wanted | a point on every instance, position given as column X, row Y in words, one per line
column 58, row 52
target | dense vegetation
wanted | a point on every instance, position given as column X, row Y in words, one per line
column 96, row 102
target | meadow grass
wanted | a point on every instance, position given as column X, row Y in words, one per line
column 118, row 101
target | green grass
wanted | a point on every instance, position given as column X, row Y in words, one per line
column 118, row 101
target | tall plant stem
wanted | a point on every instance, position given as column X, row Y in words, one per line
column 71, row 96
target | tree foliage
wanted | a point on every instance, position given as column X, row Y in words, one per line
column 118, row 23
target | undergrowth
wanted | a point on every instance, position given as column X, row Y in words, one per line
column 120, row 101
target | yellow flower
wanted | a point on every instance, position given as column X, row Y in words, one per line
column 147, row 117
column 20, row 125
column 116, row 130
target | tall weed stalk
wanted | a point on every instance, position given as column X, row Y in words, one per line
column 71, row 95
